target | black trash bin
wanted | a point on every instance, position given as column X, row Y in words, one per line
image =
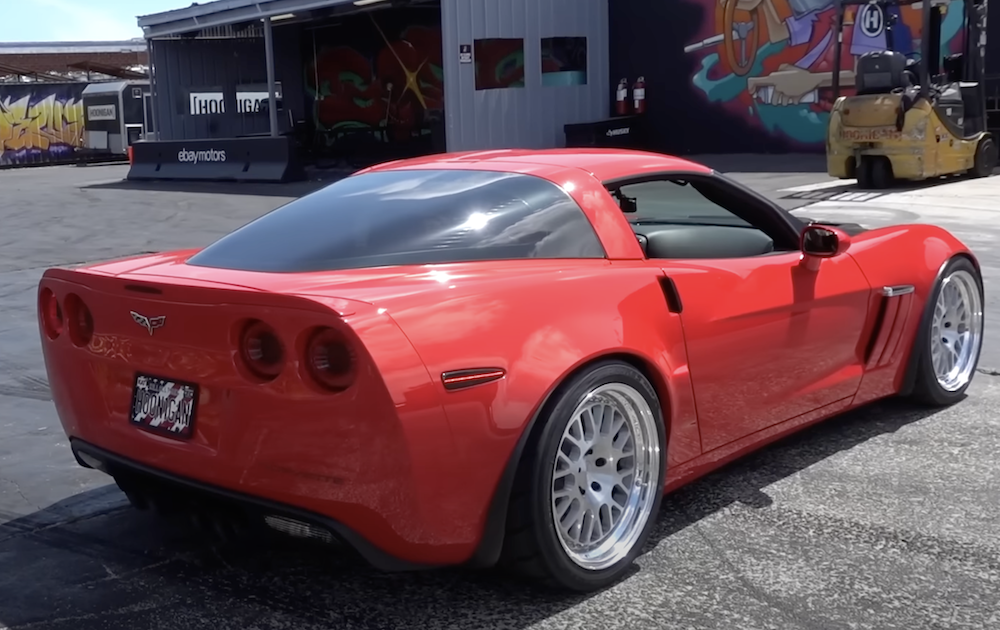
column 622, row 132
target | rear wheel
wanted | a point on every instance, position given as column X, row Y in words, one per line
column 864, row 170
column 881, row 171
column 874, row 172
column 591, row 482
column 950, row 336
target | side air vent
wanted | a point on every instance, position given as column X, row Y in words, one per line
column 462, row 379
column 670, row 292
column 892, row 317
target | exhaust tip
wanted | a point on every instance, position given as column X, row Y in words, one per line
column 297, row 528
column 89, row 461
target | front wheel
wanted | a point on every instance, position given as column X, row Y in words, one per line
column 590, row 484
column 950, row 336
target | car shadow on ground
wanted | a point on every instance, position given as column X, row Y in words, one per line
column 102, row 557
column 743, row 481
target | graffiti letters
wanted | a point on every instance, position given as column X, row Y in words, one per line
column 40, row 123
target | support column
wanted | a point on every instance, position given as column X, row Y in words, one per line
column 272, row 105
column 153, row 133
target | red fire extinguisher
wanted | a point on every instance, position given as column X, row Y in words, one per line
column 639, row 95
column 621, row 98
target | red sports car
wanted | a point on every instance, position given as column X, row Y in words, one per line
column 501, row 357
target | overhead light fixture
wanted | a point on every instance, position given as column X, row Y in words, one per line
column 283, row 16
column 363, row 3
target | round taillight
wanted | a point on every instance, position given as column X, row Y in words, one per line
column 79, row 320
column 330, row 360
column 51, row 313
column 261, row 350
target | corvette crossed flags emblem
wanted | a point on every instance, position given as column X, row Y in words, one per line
column 149, row 323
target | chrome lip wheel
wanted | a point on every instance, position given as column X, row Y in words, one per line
column 956, row 331
column 605, row 468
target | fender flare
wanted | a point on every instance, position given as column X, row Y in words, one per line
column 490, row 546
column 917, row 352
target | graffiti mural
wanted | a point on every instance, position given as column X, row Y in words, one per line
column 771, row 61
column 382, row 75
column 40, row 123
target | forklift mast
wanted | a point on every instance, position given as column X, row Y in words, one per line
column 975, row 53
column 989, row 36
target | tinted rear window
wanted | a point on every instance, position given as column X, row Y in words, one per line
column 411, row 218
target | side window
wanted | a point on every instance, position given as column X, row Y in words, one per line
column 671, row 201
column 681, row 219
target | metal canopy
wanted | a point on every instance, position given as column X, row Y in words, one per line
column 228, row 12
column 106, row 69
column 8, row 70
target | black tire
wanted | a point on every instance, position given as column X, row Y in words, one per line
column 926, row 388
column 532, row 547
column 864, row 171
column 881, row 172
column 986, row 157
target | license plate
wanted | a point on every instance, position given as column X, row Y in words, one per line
column 164, row 406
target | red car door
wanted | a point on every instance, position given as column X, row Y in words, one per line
column 768, row 337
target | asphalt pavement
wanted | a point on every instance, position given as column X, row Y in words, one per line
column 883, row 518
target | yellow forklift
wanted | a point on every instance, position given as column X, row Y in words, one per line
column 911, row 119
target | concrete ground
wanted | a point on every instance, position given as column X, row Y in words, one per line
column 883, row 518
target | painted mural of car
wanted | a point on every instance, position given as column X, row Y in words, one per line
column 494, row 358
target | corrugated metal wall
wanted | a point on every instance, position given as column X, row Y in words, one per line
column 532, row 116
column 183, row 65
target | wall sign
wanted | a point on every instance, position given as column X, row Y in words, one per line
column 872, row 20
column 102, row 112
column 465, row 53
column 248, row 101
column 262, row 159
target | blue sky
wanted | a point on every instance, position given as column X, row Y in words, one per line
column 75, row 20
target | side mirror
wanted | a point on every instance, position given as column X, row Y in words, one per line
column 823, row 241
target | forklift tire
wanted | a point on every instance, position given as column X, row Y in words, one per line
column 864, row 172
column 881, row 172
column 986, row 157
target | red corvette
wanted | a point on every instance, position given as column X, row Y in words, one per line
column 501, row 357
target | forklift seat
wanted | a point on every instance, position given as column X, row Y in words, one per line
column 952, row 66
column 881, row 72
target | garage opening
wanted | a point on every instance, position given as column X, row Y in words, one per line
column 374, row 83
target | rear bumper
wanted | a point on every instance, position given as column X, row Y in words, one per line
column 380, row 458
column 151, row 484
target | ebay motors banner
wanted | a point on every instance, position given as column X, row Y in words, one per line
column 262, row 159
